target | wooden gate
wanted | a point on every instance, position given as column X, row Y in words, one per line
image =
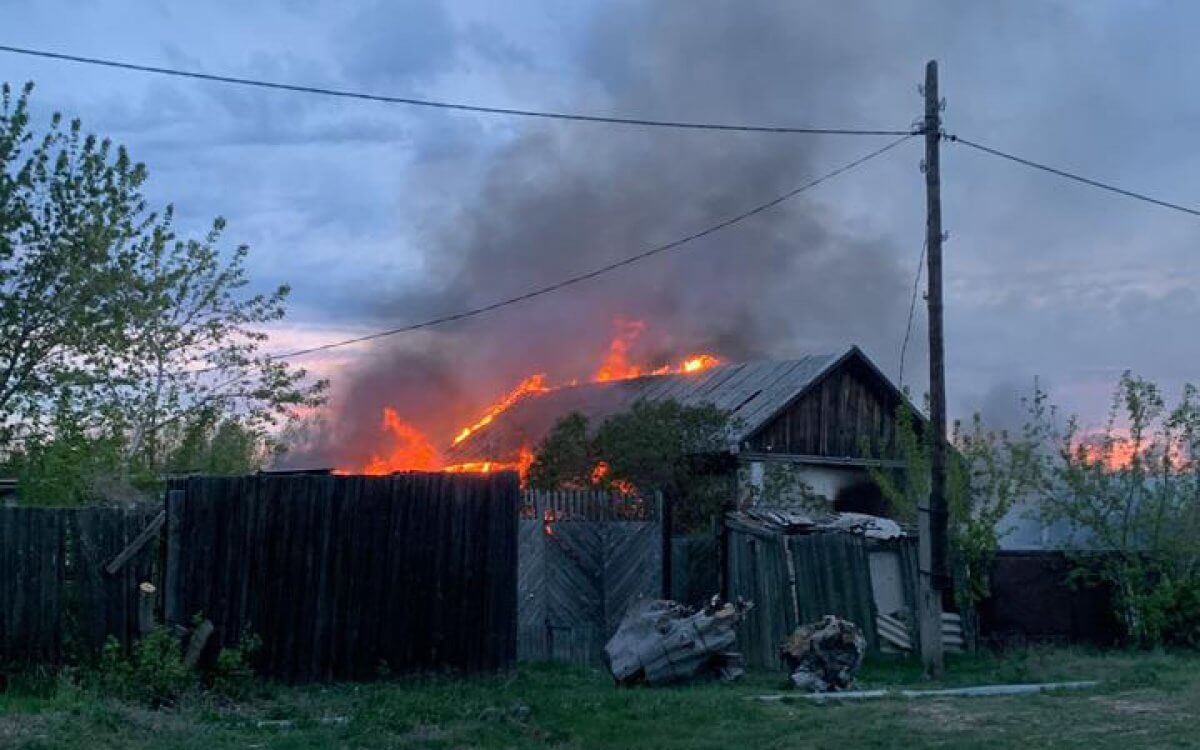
column 583, row 559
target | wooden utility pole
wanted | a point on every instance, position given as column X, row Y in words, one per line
column 932, row 515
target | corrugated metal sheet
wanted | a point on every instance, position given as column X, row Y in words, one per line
column 752, row 392
column 794, row 580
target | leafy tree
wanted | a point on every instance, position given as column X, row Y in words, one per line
column 66, row 464
column 66, row 200
column 566, row 457
column 655, row 446
column 216, row 444
column 906, row 490
column 191, row 346
column 1130, row 498
column 114, row 328
column 987, row 472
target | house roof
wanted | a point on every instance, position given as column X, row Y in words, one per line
column 752, row 392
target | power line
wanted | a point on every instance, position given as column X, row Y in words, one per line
column 1072, row 176
column 345, row 94
column 912, row 306
column 674, row 244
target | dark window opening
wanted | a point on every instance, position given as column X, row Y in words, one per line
column 864, row 497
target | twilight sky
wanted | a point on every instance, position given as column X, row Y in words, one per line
column 381, row 215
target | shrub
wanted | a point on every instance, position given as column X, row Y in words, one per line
column 1132, row 493
column 233, row 676
column 153, row 674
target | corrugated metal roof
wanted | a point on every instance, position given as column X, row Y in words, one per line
column 752, row 392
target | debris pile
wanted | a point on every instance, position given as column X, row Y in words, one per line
column 824, row 656
column 663, row 641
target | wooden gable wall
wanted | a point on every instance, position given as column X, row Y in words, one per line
column 851, row 405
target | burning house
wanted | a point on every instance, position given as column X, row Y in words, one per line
column 822, row 419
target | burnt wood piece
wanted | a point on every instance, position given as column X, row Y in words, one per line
column 196, row 643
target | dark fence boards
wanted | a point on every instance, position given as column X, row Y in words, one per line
column 54, row 593
column 584, row 558
column 107, row 605
column 1032, row 600
column 695, row 566
column 32, row 542
column 342, row 576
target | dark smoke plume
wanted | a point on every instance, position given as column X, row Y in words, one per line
column 562, row 198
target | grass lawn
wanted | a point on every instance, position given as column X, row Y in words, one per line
column 1147, row 700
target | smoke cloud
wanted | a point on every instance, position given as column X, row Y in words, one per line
column 559, row 199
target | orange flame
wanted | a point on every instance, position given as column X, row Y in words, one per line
column 410, row 451
column 533, row 384
column 618, row 366
column 1117, row 451
column 700, row 362
column 521, row 465
column 601, row 471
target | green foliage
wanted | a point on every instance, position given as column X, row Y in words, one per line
column 233, row 676
column 1144, row 700
column 905, row 491
column 72, row 467
column 782, row 485
column 986, row 473
column 990, row 472
column 214, row 444
column 117, row 332
column 652, row 447
column 566, row 456
column 154, row 675
column 66, row 200
column 1132, row 494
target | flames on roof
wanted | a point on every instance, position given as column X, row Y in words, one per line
column 752, row 392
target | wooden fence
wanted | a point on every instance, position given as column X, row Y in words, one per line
column 343, row 576
column 1031, row 599
column 794, row 579
column 55, row 594
column 695, row 568
column 339, row 577
column 584, row 558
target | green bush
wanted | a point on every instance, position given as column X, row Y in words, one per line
column 233, row 676
column 1168, row 611
column 154, row 674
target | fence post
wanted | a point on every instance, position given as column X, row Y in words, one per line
column 172, row 578
column 664, row 521
column 723, row 566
